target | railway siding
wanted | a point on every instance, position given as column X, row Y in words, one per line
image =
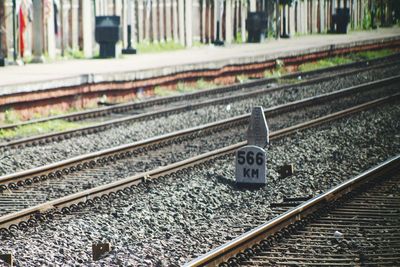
column 25, row 158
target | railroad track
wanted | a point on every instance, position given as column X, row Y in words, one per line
column 131, row 108
column 166, row 106
column 353, row 224
column 17, row 160
column 79, row 168
column 232, row 127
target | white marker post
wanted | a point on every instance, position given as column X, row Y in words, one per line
column 251, row 159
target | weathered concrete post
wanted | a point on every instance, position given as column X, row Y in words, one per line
column 38, row 29
column 250, row 165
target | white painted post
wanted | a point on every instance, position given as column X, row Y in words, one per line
column 189, row 24
column 253, row 6
column 88, row 29
column 147, row 10
column 168, row 20
column 154, row 23
column 181, row 17
column 292, row 19
column 161, row 23
column 140, row 27
column 203, row 21
column 132, row 21
column 51, row 40
column 243, row 21
column 175, row 34
column 125, row 22
column 75, row 25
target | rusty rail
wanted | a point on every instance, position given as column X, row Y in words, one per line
column 254, row 237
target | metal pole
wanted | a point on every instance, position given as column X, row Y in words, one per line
column 1, row 51
column 219, row 8
column 62, row 27
column 129, row 49
column 14, row 31
column 278, row 21
column 1, row 35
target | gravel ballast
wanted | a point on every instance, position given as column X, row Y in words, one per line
column 170, row 220
column 13, row 160
column 158, row 156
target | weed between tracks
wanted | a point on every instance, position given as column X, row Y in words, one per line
column 11, row 116
column 330, row 62
column 40, row 128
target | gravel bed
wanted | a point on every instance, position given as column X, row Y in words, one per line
column 89, row 178
column 280, row 82
column 13, row 160
column 168, row 221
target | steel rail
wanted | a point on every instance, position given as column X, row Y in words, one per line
column 50, row 137
column 80, row 198
column 54, row 169
column 247, row 240
column 123, row 107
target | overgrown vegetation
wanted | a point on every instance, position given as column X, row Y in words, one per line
column 183, row 87
column 324, row 63
column 242, row 78
column 277, row 72
column 12, row 117
column 368, row 55
column 40, row 128
column 330, row 62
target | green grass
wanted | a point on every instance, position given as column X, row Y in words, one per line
column 275, row 73
column 147, row 47
column 40, row 128
column 324, row 63
column 368, row 55
column 10, row 117
column 330, row 62
column 163, row 91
